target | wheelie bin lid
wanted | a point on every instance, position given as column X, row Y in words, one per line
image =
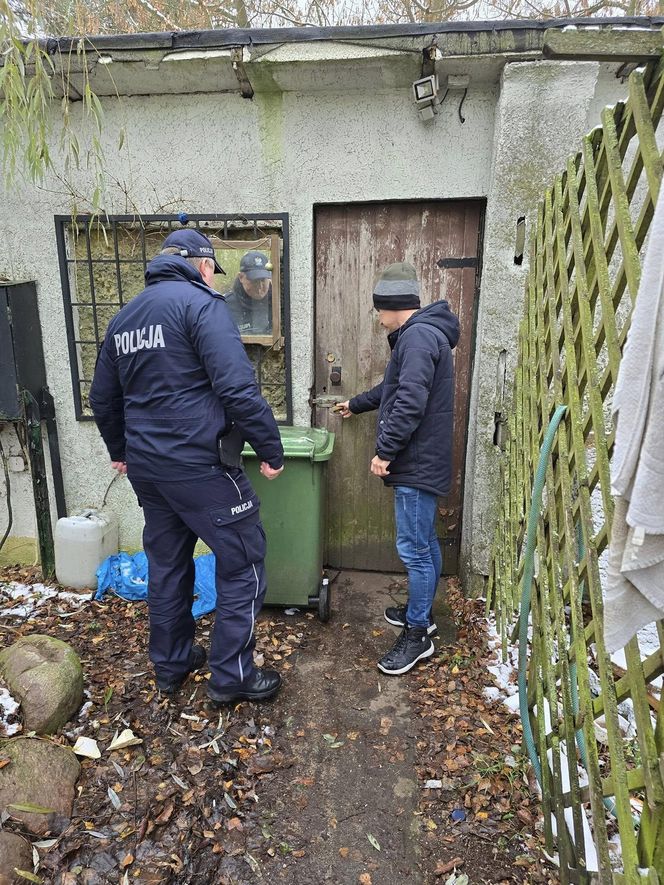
column 314, row 443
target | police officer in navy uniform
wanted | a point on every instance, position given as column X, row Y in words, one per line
column 250, row 299
column 174, row 397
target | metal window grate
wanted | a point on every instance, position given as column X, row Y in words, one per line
column 102, row 266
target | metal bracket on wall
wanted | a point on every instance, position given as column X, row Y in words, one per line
column 237, row 60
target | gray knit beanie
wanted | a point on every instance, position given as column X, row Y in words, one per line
column 397, row 288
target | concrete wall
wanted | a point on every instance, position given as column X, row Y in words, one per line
column 286, row 152
column 220, row 153
column 537, row 127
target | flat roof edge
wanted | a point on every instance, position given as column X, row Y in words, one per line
column 260, row 36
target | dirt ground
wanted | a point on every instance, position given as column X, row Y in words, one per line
column 327, row 783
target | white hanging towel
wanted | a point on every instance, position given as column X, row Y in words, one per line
column 634, row 592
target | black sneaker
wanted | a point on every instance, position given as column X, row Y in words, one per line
column 396, row 615
column 197, row 660
column 412, row 645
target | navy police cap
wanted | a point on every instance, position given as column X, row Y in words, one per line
column 256, row 266
column 192, row 244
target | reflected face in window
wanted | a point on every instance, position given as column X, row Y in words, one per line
column 256, row 289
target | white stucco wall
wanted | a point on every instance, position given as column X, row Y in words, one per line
column 221, row 153
column 544, row 109
column 285, row 152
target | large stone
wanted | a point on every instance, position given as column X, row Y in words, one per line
column 15, row 854
column 40, row 774
column 45, row 675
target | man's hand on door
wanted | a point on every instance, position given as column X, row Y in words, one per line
column 343, row 409
column 379, row 467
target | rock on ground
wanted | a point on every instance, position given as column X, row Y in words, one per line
column 42, row 774
column 15, row 854
column 45, row 674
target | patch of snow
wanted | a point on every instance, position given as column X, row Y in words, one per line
column 32, row 596
column 648, row 639
column 8, row 708
column 504, row 672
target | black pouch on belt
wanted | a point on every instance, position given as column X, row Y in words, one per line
column 230, row 445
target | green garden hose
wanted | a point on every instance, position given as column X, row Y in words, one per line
column 526, row 587
column 526, row 591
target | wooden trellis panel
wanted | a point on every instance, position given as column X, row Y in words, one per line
column 585, row 265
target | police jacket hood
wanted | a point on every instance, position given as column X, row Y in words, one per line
column 415, row 400
column 172, row 375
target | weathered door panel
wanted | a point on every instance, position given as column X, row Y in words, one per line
column 352, row 244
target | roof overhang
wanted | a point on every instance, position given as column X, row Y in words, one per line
column 380, row 57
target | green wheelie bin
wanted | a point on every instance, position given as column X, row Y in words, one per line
column 292, row 512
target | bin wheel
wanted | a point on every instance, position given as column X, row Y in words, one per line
column 324, row 602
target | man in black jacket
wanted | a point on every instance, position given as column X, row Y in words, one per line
column 172, row 378
column 415, row 400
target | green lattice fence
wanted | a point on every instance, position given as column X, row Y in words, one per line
column 585, row 263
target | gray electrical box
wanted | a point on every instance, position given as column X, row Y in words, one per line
column 21, row 353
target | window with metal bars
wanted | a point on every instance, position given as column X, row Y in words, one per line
column 102, row 267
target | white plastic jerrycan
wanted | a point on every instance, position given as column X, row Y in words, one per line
column 82, row 542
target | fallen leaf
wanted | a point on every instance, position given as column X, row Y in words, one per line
column 344, row 852
column 374, row 841
column 127, row 861
column 487, row 726
column 24, row 874
column 115, row 799
column 4, row 762
column 166, row 814
column 28, row 808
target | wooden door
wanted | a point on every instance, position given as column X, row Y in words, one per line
column 353, row 243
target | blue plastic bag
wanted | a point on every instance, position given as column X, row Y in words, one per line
column 126, row 575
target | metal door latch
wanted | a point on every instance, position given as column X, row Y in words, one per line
column 324, row 402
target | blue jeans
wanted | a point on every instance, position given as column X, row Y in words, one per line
column 418, row 549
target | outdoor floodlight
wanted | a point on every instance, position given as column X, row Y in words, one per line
column 425, row 91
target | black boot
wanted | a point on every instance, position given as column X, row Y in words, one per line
column 196, row 661
column 412, row 645
column 261, row 686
